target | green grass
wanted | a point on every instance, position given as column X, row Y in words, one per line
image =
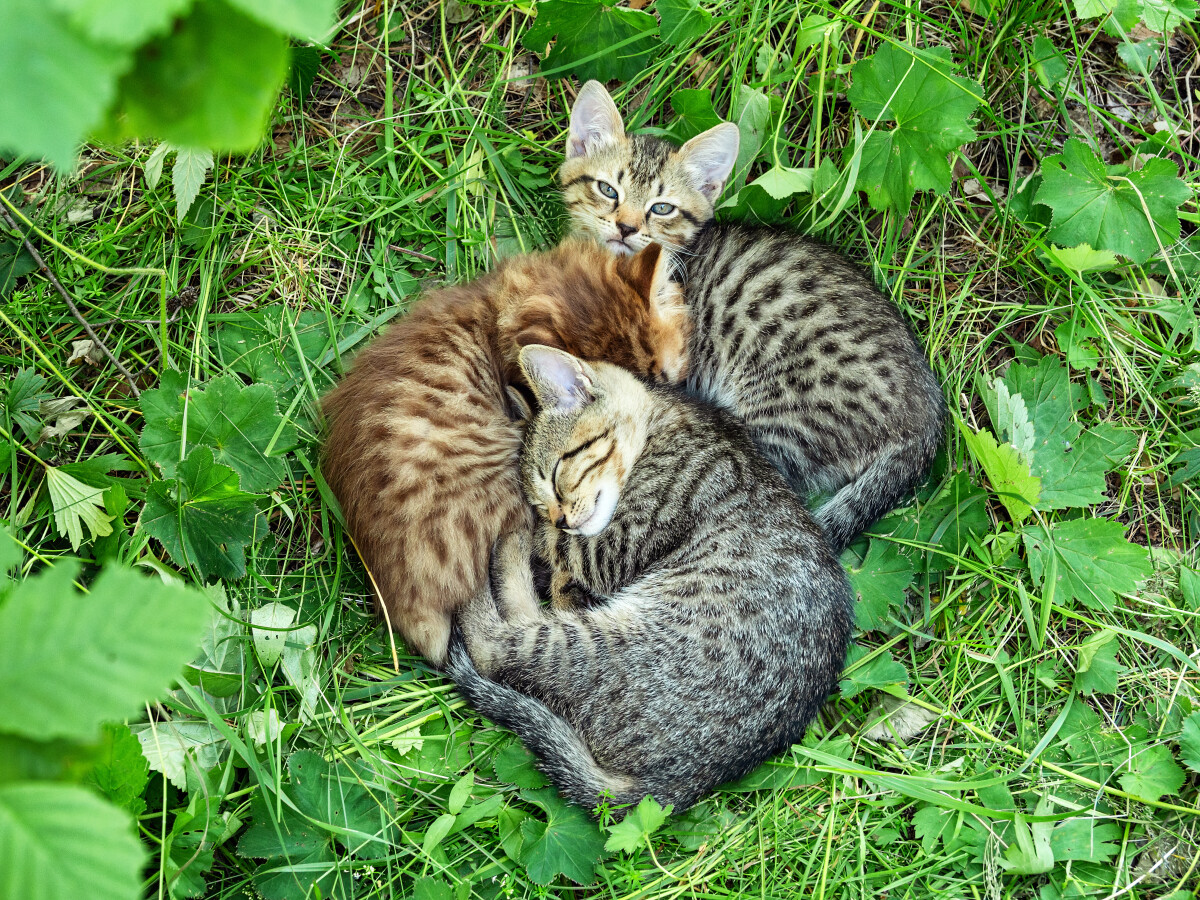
column 291, row 249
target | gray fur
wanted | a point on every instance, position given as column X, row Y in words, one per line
column 718, row 624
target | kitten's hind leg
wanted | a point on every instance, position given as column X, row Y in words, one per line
column 512, row 562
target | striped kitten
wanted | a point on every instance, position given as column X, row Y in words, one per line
column 421, row 448
column 724, row 619
column 788, row 334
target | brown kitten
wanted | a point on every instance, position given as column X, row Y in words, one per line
column 421, row 450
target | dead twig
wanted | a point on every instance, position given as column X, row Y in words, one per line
column 417, row 254
column 62, row 291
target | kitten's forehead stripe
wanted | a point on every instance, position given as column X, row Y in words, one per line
column 649, row 155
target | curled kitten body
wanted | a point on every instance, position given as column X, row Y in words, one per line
column 421, row 447
column 721, row 620
column 788, row 334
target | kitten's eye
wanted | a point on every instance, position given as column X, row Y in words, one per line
column 662, row 209
column 606, row 189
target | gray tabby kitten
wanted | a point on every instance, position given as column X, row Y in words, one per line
column 721, row 622
column 787, row 334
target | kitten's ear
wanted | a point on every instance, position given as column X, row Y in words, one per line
column 649, row 273
column 561, row 383
column 709, row 157
column 595, row 121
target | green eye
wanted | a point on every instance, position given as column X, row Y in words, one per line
column 606, row 189
column 662, row 209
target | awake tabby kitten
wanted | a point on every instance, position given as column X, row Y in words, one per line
column 787, row 333
column 421, row 450
column 723, row 619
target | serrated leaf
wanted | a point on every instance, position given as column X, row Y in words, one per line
column 683, row 21
column 931, row 108
column 23, row 400
column 211, row 81
column 307, row 19
column 1029, row 853
column 881, row 671
column 1094, row 561
column 515, row 765
column 1083, row 837
column 1012, row 419
column 429, row 888
column 1008, row 472
column 1189, row 742
column 1164, row 16
column 592, row 39
column 1096, row 668
column 238, row 423
column 15, row 262
column 1140, row 56
column 878, row 583
column 510, row 821
column 567, row 843
column 1082, row 258
column 122, row 23
column 171, row 747
column 1106, row 207
column 47, row 107
column 1075, row 339
column 202, row 518
column 1152, row 773
column 631, row 833
column 75, row 505
column 123, row 644
column 59, row 841
column 120, row 772
column 949, row 521
column 782, row 182
column 695, row 110
column 188, row 173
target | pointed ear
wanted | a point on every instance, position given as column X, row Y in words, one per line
column 561, row 383
column 709, row 157
column 595, row 121
column 649, row 273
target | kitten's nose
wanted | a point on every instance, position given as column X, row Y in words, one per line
column 561, row 521
column 626, row 229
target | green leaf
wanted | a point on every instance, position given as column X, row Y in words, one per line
column 1074, row 339
column 178, row 747
column 307, row 19
column 1189, row 586
column 881, row 671
column 1096, row 669
column 429, row 888
column 592, row 39
column 1082, row 837
column 460, row 793
column 782, row 182
column 931, row 108
column 187, row 175
column 1094, row 562
column 949, row 520
column 878, row 583
column 24, row 399
column 1008, row 471
column 567, row 843
column 333, row 796
column 509, row 821
column 752, row 114
column 695, row 110
column 202, row 518
column 121, row 772
column 210, row 82
column 75, row 505
column 1082, row 258
column 1140, row 56
column 303, row 66
column 632, row 832
column 239, row 423
column 15, row 262
column 515, row 765
column 122, row 644
column 55, row 84
column 1049, row 64
column 1189, row 742
column 1105, row 207
column 1030, row 853
column 1152, row 773
column 59, row 841
column 122, row 23
column 683, row 21
column 1164, row 16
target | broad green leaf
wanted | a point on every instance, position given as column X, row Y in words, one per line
column 509, row 821
column 1029, row 853
column 695, row 110
column 592, row 39
column 120, row 772
column 567, row 843
column 210, row 82
column 752, row 114
column 1075, row 339
column 878, row 583
column 10, row 557
column 930, row 106
column 1008, row 471
column 187, row 175
column 286, row 842
column 47, row 105
column 264, row 727
column 61, row 841
column 122, row 644
column 1140, row 56
column 683, row 21
column 1094, row 561
column 1189, row 586
column 300, row 668
column 1096, row 669
column 1049, row 64
column 774, row 775
column 122, row 23
column 173, row 747
column 238, row 423
column 1082, row 258
column 460, row 793
column 23, row 400
column 632, row 832
column 949, row 520
column 1152, row 773
column 428, row 888
column 881, row 671
column 1189, row 742
column 437, row 832
column 307, row 19
column 333, row 796
column 515, row 765
column 202, row 518
column 1164, row 16
column 269, row 639
column 1105, row 207
column 782, row 182
column 218, row 667
column 1083, row 837
column 75, row 505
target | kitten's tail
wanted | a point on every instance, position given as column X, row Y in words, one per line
column 562, row 754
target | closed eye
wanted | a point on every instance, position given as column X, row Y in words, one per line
column 662, row 209
column 606, row 189
column 554, row 480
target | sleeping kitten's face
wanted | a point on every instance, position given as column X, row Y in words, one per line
column 581, row 446
column 626, row 191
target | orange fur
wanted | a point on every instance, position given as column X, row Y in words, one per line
column 420, row 449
